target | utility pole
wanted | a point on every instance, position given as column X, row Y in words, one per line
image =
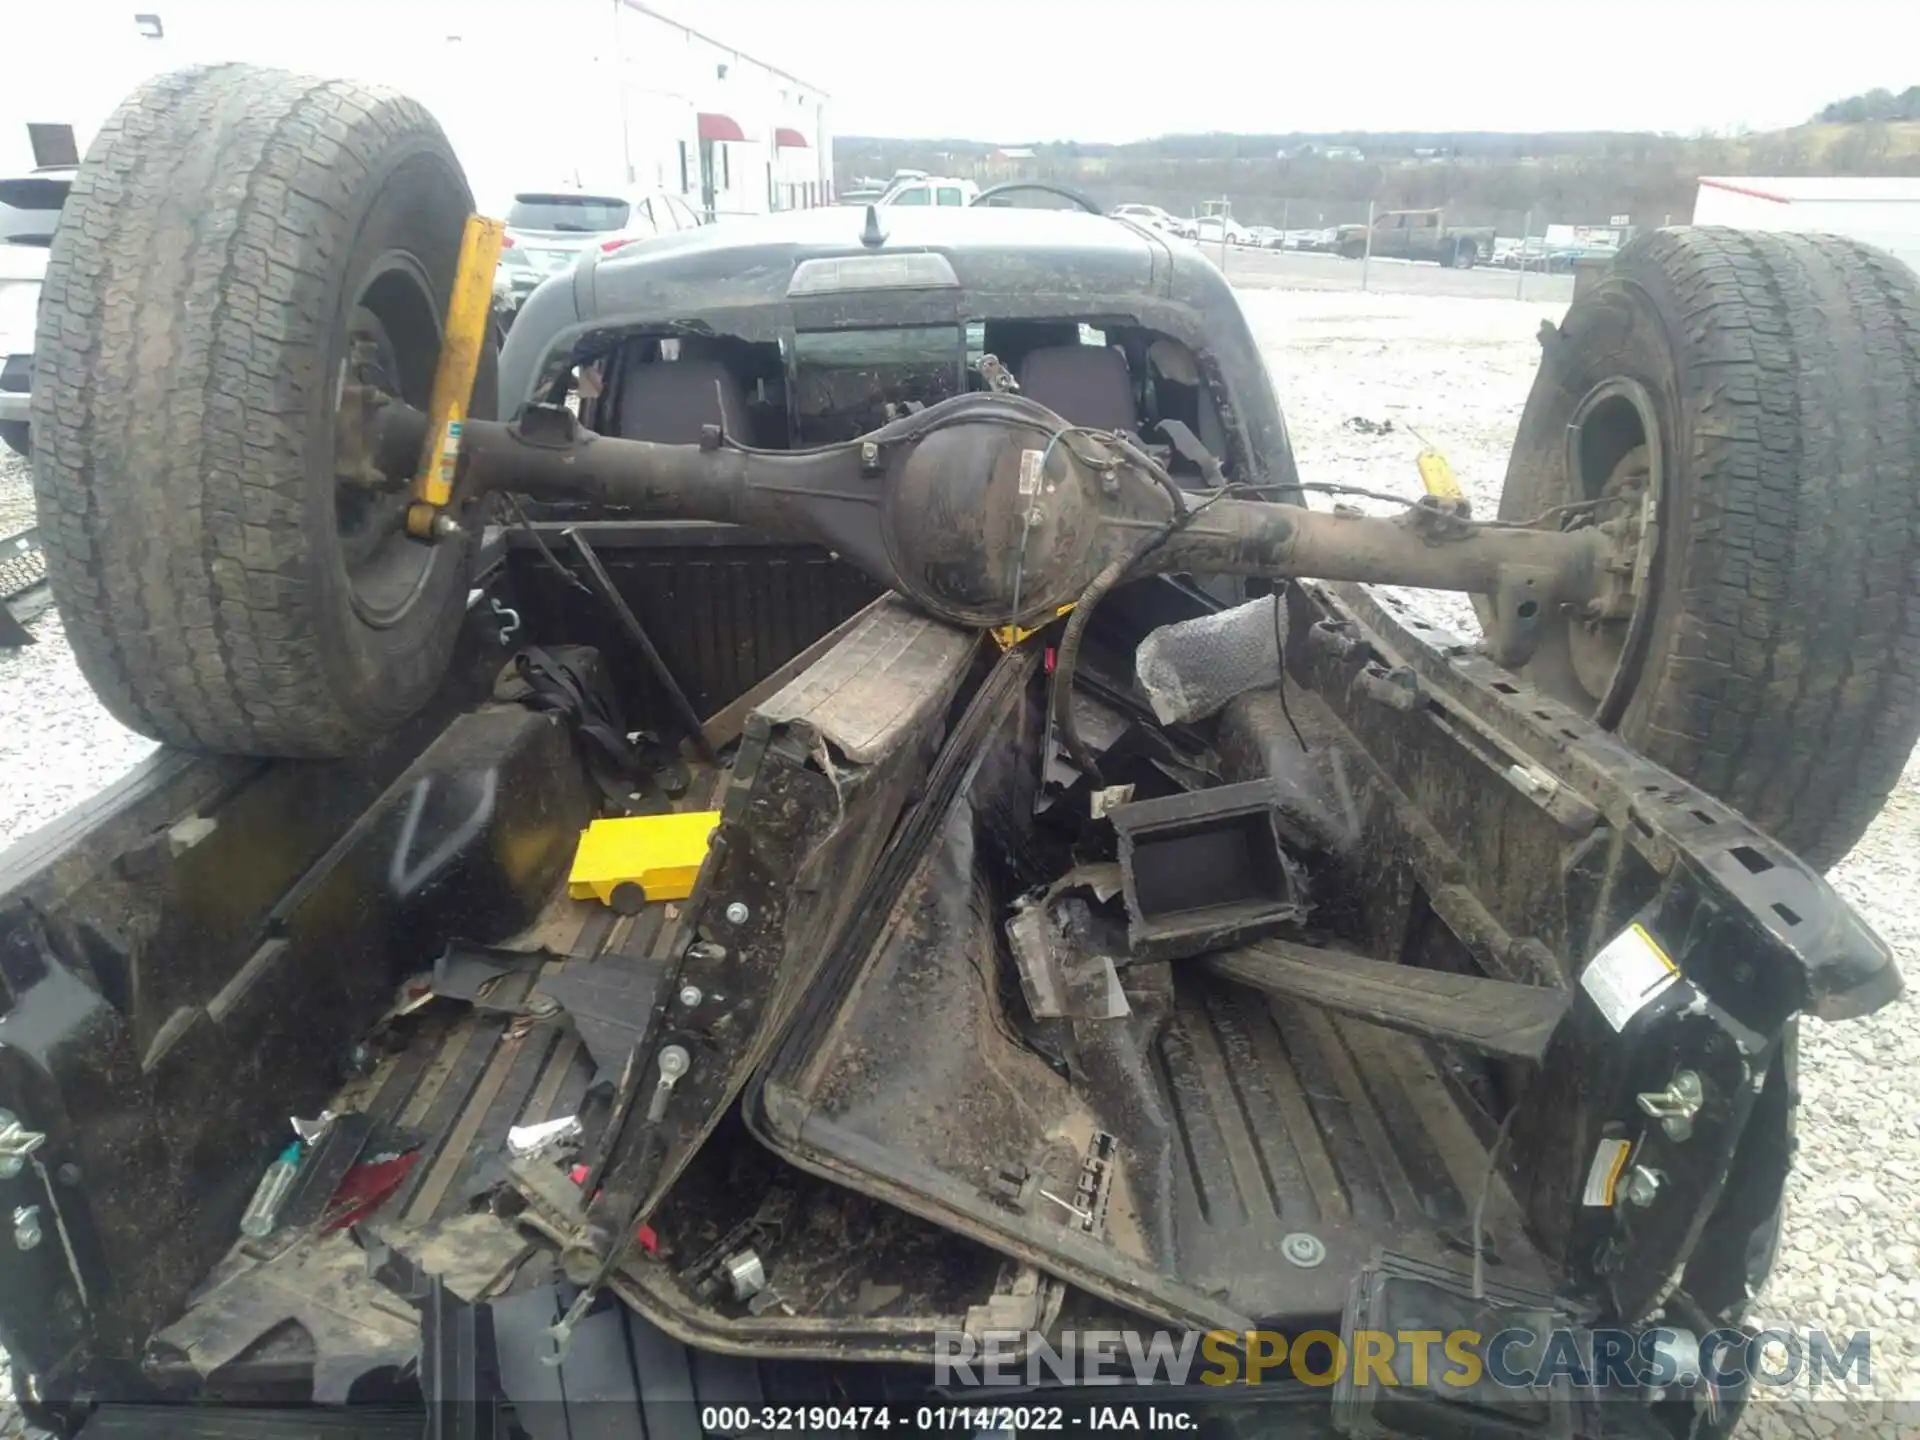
column 1366, row 257
column 1526, row 234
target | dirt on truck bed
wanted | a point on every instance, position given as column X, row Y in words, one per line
column 1109, row 911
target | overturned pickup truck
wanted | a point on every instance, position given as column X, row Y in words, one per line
column 1110, row 916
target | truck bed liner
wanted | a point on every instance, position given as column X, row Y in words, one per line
column 1244, row 1121
column 464, row 1077
column 1293, row 1118
column 1216, row 1156
column 457, row 1074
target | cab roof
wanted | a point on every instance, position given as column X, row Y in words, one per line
column 762, row 278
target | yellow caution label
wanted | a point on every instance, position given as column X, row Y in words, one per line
column 1603, row 1175
column 1630, row 973
column 1437, row 475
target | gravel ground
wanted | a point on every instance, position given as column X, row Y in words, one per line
column 1456, row 371
column 57, row 746
column 1296, row 270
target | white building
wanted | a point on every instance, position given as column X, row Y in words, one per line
column 600, row 93
column 708, row 120
column 1883, row 212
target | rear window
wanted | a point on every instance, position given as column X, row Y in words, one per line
column 30, row 208
column 583, row 214
column 845, row 379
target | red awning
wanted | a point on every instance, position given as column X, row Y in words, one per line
column 787, row 138
column 714, row 126
column 1745, row 190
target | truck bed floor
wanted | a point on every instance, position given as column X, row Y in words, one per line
column 1238, row 1156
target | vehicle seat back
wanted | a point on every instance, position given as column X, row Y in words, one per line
column 1084, row 384
column 668, row 401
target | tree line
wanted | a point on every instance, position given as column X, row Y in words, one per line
column 1880, row 104
column 1480, row 177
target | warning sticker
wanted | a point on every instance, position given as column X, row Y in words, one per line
column 1603, row 1176
column 1629, row 973
column 1032, row 468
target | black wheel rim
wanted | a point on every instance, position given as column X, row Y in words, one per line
column 1592, row 657
column 391, row 341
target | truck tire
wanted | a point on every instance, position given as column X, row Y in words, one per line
column 1757, row 397
column 1466, row 255
column 238, row 244
column 17, row 436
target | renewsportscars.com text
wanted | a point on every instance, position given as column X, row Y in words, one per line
column 1515, row 1358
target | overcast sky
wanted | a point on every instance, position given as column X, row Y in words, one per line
column 1022, row 70
column 1123, row 69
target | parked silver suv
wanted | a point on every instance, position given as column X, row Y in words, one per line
column 29, row 209
column 548, row 230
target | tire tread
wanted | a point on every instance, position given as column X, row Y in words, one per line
column 1791, row 686
column 184, row 327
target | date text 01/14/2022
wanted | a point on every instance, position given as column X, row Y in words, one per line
column 942, row 1419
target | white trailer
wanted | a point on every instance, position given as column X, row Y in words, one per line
column 1883, row 212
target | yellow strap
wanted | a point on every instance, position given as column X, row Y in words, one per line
column 1011, row 635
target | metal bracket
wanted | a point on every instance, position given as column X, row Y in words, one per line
column 459, row 1362
column 23, row 586
column 999, row 379
column 1439, row 516
column 17, row 1144
column 674, row 1063
column 1675, row 1106
column 1398, row 687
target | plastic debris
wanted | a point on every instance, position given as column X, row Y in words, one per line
column 527, row 1141
column 1063, row 947
column 628, row 863
column 1191, row 670
column 263, row 1211
column 745, row 1273
column 365, row 1188
column 311, row 1132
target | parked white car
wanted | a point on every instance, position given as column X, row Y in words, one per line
column 1149, row 215
column 548, row 230
column 1211, row 229
column 929, row 190
column 30, row 207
